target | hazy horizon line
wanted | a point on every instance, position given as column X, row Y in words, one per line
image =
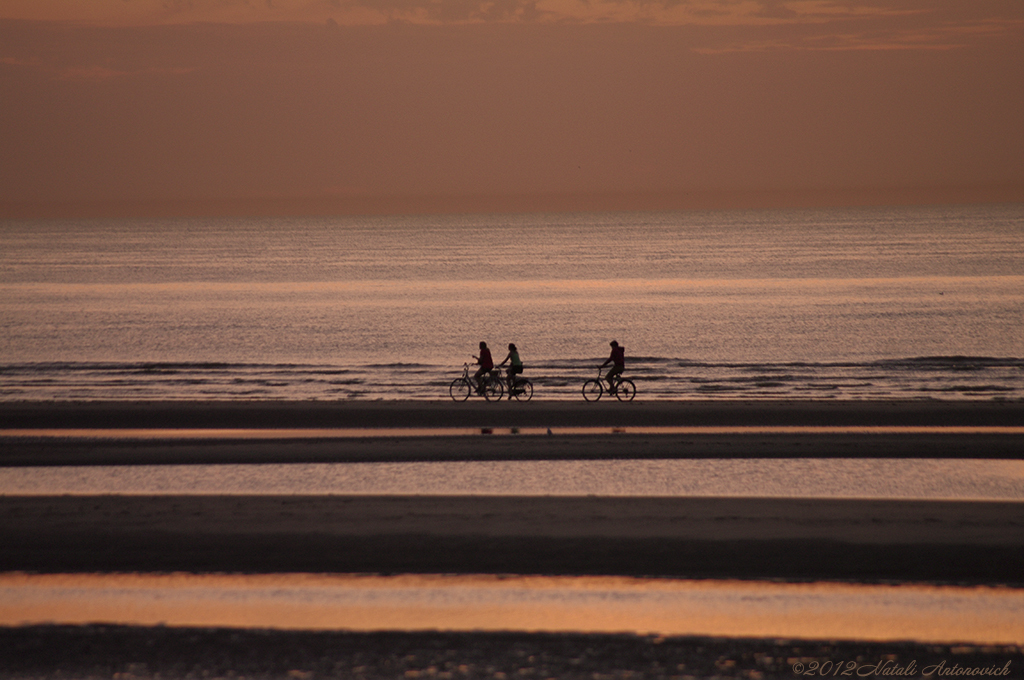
column 301, row 206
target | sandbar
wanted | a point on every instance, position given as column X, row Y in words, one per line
column 764, row 538
column 785, row 538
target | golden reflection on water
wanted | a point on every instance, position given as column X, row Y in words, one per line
column 939, row 614
column 875, row 478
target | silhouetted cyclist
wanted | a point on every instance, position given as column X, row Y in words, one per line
column 618, row 361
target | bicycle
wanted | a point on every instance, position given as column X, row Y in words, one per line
column 522, row 389
column 462, row 388
column 622, row 388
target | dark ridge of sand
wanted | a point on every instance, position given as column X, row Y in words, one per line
column 942, row 542
column 131, row 652
column 33, row 452
column 476, row 413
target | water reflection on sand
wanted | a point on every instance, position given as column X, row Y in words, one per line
column 980, row 615
column 871, row 478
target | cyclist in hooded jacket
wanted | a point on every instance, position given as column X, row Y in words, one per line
column 486, row 365
column 618, row 361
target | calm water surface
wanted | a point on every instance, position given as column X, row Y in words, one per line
column 745, row 609
column 834, row 304
column 873, row 478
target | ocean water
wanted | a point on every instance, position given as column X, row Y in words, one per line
column 866, row 303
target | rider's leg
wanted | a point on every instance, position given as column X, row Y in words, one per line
column 611, row 378
column 512, row 375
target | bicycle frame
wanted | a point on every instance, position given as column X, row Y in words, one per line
column 519, row 387
column 622, row 388
column 462, row 388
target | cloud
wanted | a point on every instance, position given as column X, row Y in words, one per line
column 807, row 25
column 97, row 72
column 16, row 61
column 503, row 108
column 362, row 12
column 929, row 37
column 91, row 71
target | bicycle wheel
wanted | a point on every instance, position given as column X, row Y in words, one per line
column 460, row 389
column 625, row 390
column 592, row 390
column 523, row 390
column 493, row 390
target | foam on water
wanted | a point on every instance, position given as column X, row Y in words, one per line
column 955, row 378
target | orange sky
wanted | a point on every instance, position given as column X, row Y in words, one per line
column 165, row 106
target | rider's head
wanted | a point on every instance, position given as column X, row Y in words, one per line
column 483, row 345
column 512, row 346
column 613, row 343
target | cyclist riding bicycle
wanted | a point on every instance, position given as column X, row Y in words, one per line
column 486, row 365
column 514, row 369
column 618, row 361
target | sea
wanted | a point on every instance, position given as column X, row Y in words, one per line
column 834, row 304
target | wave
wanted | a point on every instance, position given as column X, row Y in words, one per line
column 640, row 363
column 936, row 361
column 955, row 362
column 944, row 377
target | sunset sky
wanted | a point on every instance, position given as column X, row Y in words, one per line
column 305, row 106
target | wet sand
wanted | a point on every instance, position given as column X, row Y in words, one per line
column 943, row 542
column 947, row 541
column 796, row 539
column 478, row 413
column 553, row 416
column 125, row 652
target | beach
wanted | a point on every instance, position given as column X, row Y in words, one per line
column 974, row 543
column 749, row 537
column 250, row 251
column 128, row 652
column 960, row 542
